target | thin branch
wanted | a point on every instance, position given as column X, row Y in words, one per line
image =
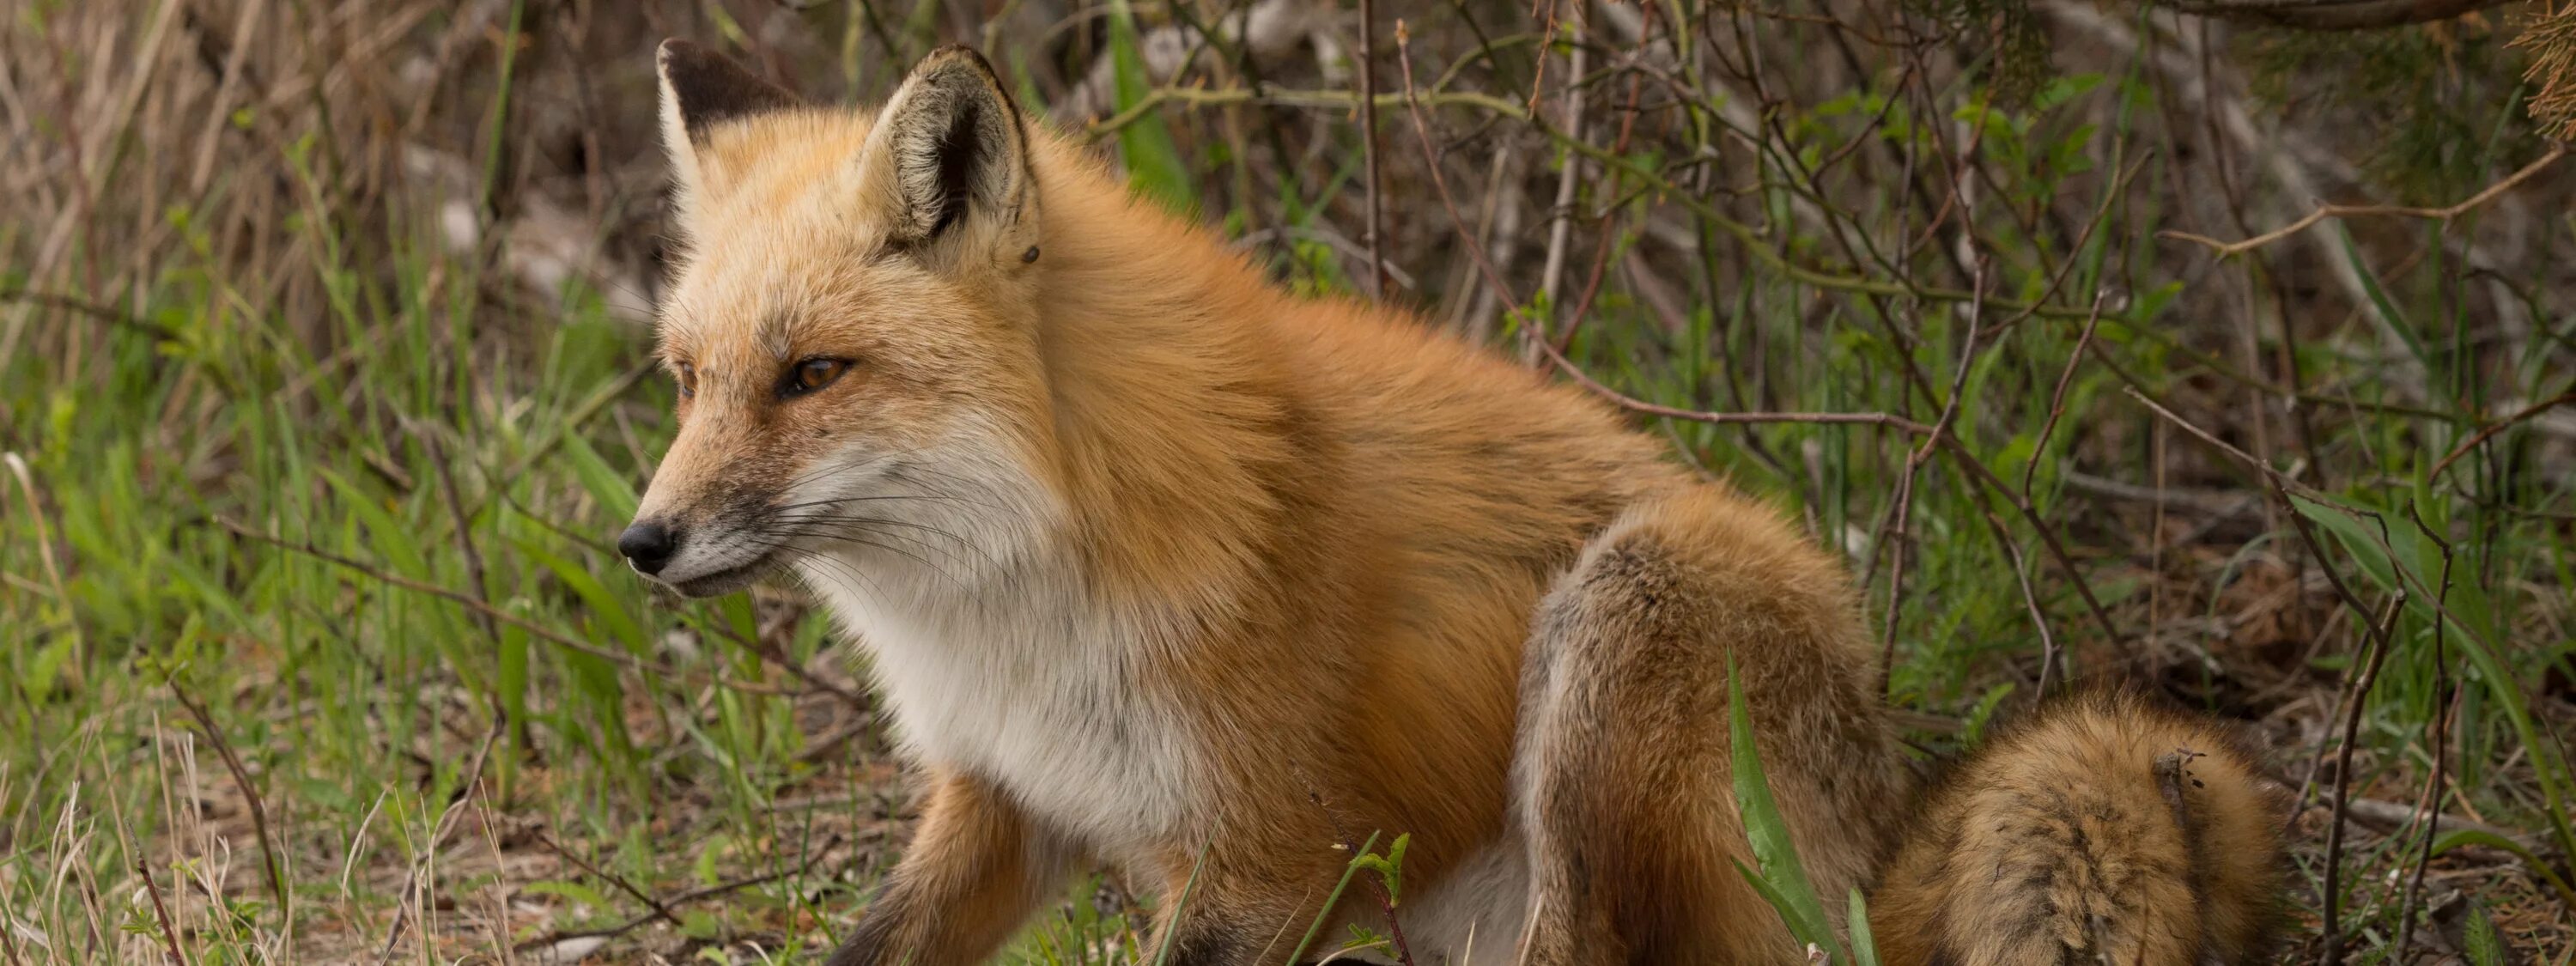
column 1897, row 532
column 91, row 309
column 773, row 654
column 1569, row 173
column 1695, row 202
column 1504, row 297
column 664, row 909
column 2057, row 399
column 2482, row 435
column 2380, row 644
column 660, row 910
column 1601, row 248
column 1368, row 151
column 2436, row 738
column 2323, row 212
column 2277, row 477
column 1634, row 404
column 250, row 793
column 161, row 910
column 2334, row 14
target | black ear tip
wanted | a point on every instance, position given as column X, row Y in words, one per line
column 709, row 87
column 953, row 56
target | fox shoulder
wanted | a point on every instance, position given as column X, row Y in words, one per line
column 2102, row 827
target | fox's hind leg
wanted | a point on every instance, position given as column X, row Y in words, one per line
column 1623, row 770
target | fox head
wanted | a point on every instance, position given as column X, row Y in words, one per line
column 852, row 327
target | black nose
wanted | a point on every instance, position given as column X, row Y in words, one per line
column 648, row 545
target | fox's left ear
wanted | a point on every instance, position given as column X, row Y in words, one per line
column 701, row 91
column 947, row 164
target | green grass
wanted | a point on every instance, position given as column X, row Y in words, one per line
column 366, row 532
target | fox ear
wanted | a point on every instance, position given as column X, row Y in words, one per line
column 949, row 156
column 700, row 90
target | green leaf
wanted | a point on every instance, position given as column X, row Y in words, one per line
column 1864, row 947
column 573, row 891
column 1163, row 951
column 2456, row 838
column 1313, row 929
column 2379, row 296
column 1984, row 712
column 1154, row 165
column 700, row 924
column 391, row 539
column 1783, row 881
column 604, row 606
column 1390, row 868
column 616, row 496
column 2479, row 940
column 2396, row 556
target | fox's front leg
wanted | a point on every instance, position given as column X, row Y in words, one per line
column 974, row 871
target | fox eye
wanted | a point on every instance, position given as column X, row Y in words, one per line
column 688, row 380
column 811, row 375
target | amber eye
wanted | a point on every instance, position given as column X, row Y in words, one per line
column 811, row 375
column 688, row 380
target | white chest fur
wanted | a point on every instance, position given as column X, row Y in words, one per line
column 1028, row 687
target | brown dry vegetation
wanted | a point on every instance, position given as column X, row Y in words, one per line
column 323, row 380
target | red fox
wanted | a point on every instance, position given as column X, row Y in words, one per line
column 1162, row 569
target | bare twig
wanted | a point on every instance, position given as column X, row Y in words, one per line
column 1561, row 217
column 665, row 909
column 2334, row 14
column 2380, row 644
column 160, row 910
column 1601, row 248
column 2057, row 399
column 2387, row 814
column 2223, row 503
column 1633, row 404
column 250, row 794
column 773, row 654
column 660, row 911
column 93, row 310
column 1503, row 295
column 2489, row 432
column 2436, row 738
column 2323, row 212
column 2278, row 478
column 1896, row 534
column 1368, row 150
column 1763, row 249
column 474, row 572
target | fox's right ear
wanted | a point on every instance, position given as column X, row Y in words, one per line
column 701, row 90
column 947, row 165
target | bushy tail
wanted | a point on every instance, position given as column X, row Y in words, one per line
column 2103, row 828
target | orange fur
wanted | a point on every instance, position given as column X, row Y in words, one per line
column 2104, row 828
column 1163, row 568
